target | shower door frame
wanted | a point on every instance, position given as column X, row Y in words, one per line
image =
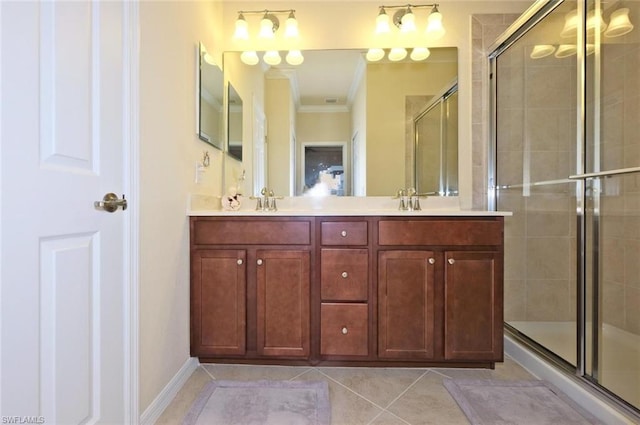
column 584, row 371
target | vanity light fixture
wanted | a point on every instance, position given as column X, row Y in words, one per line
column 406, row 21
column 269, row 25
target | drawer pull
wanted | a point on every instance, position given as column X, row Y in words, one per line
column 343, row 233
column 259, row 261
column 451, row 261
column 432, row 260
column 344, row 330
column 239, row 261
column 345, row 275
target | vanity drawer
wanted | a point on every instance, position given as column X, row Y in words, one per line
column 344, row 274
column 344, row 232
column 343, row 329
column 440, row 232
column 251, row 232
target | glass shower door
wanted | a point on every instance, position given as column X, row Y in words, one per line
column 612, row 178
column 536, row 139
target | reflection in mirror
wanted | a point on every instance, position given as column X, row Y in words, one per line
column 234, row 108
column 436, row 145
column 210, row 100
column 336, row 97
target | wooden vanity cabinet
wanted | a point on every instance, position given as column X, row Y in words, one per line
column 250, row 287
column 344, row 289
column 451, row 272
column 397, row 290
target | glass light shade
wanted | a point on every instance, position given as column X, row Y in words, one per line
column 435, row 29
column 619, row 24
column 249, row 57
column 294, row 57
column 595, row 21
column 242, row 29
column 542, row 50
column 374, row 54
column 565, row 50
column 291, row 27
column 382, row 23
column 266, row 28
column 570, row 28
column 408, row 21
column 397, row 54
column 272, row 57
column 419, row 53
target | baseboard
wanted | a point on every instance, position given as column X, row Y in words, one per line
column 579, row 393
column 168, row 393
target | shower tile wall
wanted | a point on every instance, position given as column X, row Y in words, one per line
column 485, row 29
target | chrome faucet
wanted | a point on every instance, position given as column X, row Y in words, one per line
column 267, row 200
column 409, row 199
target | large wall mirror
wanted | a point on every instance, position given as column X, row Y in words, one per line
column 337, row 102
column 210, row 100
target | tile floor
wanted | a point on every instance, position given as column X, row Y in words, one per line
column 376, row 396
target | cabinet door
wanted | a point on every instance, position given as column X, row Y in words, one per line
column 218, row 302
column 283, row 302
column 406, row 304
column 473, row 306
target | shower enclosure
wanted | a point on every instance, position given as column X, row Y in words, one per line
column 566, row 160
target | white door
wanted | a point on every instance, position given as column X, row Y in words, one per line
column 64, row 128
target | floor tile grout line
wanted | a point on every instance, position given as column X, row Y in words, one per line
column 207, row 372
column 407, row 389
column 350, row 389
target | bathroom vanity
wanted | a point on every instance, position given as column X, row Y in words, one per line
column 370, row 289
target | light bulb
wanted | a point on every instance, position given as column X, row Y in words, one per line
column 566, row 50
column 570, row 28
column 272, row 57
column 408, row 21
column 595, row 21
column 382, row 22
column 542, row 50
column 397, row 54
column 374, row 54
column 242, row 28
column 294, row 57
column 435, row 30
column 249, row 57
column 266, row 27
column 619, row 23
column 419, row 53
column 291, row 26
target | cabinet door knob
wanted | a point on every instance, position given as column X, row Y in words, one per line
column 239, row 261
column 432, row 260
column 259, row 261
column 345, row 275
column 343, row 233
column 344, row 330
column 451, row 260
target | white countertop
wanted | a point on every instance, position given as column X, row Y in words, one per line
column 206, row 205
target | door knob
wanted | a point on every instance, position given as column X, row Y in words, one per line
column 110, row 203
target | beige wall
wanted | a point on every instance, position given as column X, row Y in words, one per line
column 169, row 149
column 279, row 110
